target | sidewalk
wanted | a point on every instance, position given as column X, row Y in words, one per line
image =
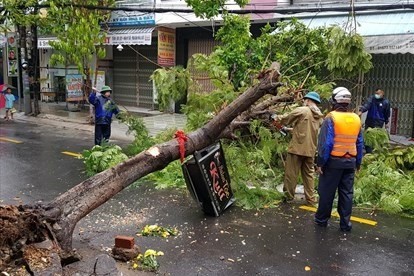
column 401, row 140
column 56, row 114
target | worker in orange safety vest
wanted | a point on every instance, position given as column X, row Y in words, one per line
column 340, row 146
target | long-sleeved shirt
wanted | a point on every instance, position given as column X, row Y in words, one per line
column 325, row 146
column 305, row 122
column 378, row 111
column 104, row 109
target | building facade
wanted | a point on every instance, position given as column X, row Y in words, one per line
column 388, row 34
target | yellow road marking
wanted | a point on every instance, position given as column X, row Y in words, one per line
column 74, row 154
column 335, row 214
column 10, row 140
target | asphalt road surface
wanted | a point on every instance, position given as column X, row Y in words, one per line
column 32, row 165
column 279, row 241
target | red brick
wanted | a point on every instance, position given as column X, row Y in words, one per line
column 124, row 242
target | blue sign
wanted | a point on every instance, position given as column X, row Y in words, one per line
column 133, row 18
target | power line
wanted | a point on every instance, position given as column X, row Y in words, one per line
column 280, row 10
column 195, row 24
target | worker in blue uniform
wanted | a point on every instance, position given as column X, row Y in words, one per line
column 378, row 110
column 340, row 147
column 105, row 108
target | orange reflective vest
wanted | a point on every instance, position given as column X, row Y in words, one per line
column 347, row 126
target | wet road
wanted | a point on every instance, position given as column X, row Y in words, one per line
column 32, row 166
column 280, row 241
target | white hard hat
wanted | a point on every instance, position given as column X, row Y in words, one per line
column 341, row 95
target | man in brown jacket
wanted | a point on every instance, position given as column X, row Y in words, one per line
column 305, row 122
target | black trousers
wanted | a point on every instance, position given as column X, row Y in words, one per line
column 102, row 133
column 330, row 181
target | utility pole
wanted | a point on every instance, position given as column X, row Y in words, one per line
column 24, row 74
column 35, row 72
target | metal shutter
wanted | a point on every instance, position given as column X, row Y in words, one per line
column 202, row 46
column 395, row 75
column 125, row 77
column 146, row 66
column 132, row 86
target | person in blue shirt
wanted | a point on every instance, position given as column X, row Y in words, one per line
column 10, row 98
column 378, row 114
column 378, row 109
column 105, row 108
column 340, row 146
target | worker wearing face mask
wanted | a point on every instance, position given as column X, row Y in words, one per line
column 378, row 114
column 378, row 108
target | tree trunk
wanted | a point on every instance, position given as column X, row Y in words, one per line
column 62, row 214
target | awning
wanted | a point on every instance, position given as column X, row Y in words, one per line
column 391, row 32
column 130, row 36
column 390, row 44
column 127, row 36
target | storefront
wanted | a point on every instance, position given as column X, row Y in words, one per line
column 389, row 37
column 134, row 60
column 131, row 55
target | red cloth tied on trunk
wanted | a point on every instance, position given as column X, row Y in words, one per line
column 181, row 138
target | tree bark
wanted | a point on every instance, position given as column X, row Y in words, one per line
column 62, row 214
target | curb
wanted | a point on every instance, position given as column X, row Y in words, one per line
column 65, row 123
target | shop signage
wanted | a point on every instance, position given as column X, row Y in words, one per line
column 208, row 180
column 213, row 167
column 141, row 36
column 12, row 55
column 74, row 87
column 44, row 43
column 129, row 39
column 166, row 46
column 131, row 18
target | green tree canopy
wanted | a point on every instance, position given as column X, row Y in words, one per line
column 79, row 31
column 312, row 59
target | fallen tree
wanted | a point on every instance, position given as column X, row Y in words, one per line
column 54, row 222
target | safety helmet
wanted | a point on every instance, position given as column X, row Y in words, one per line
column 341, row 95
column 314, row 96
column 106, row 88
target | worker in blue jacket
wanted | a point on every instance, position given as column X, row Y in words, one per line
column 340, row 146
column 378, row 115
column 104, row 110
column 378, row 108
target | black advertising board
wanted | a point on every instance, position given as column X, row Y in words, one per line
column 208, row 180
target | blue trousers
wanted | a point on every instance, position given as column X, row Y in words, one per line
column 331, row 180
column 102, row 133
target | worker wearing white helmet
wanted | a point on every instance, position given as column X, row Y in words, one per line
column 340, row 146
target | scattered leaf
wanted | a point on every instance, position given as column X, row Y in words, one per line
column 158, row 231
